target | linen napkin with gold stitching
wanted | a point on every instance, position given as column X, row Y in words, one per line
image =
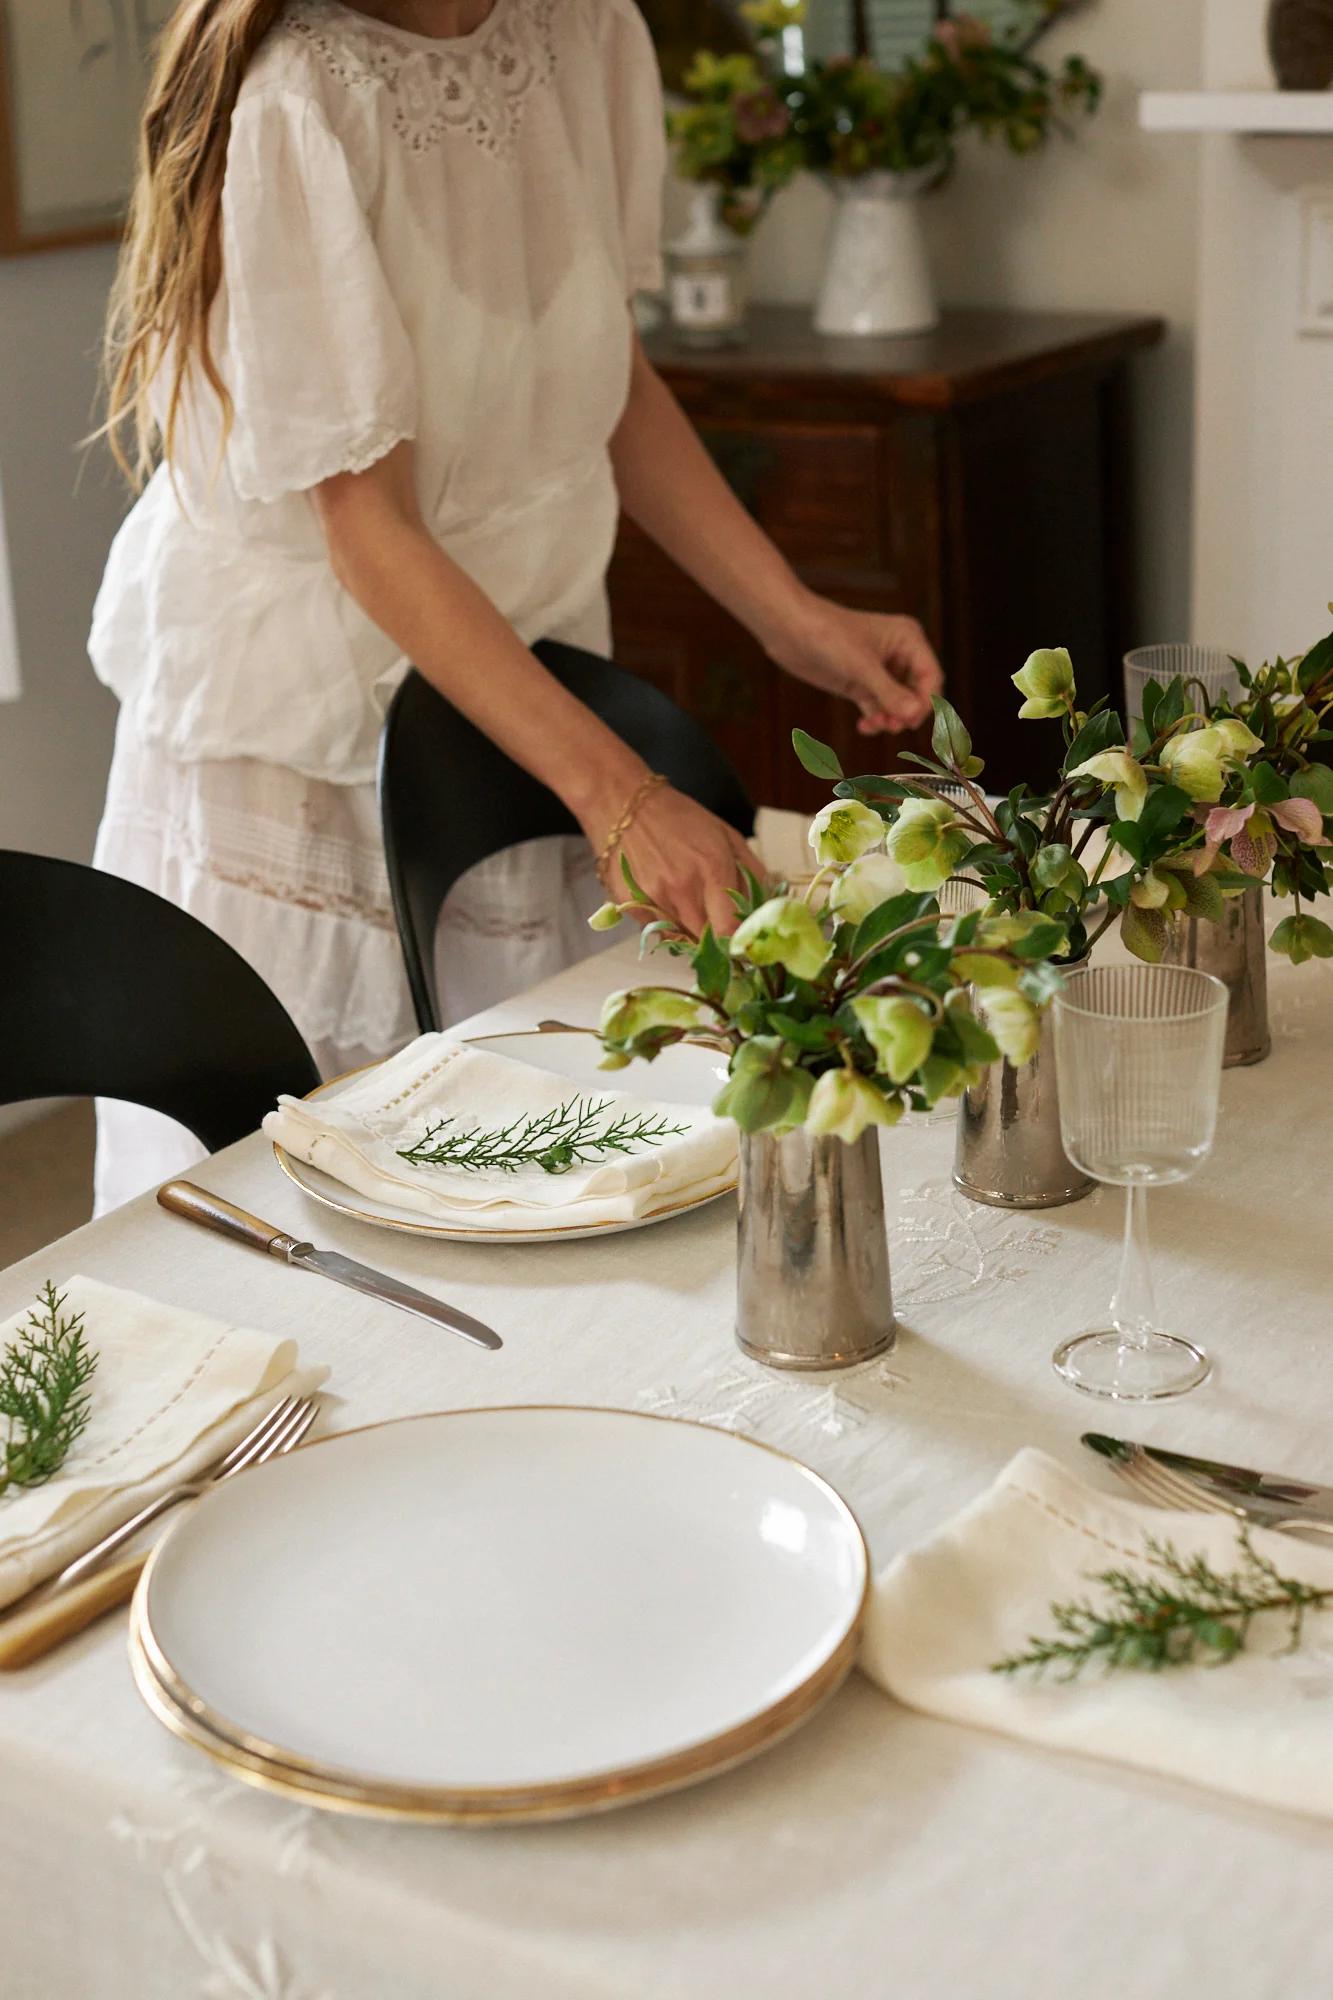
column 172, row 1392
column 1259, row 1727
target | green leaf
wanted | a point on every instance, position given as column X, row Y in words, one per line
column 1040, row 982
column 818, row 759
column 1315, row 782
column 636, row 893
column 887, row 917
column 1099, row 732
column 820, row 1032
column 1316, row 663
column 949, row 738
column 1164, row 808
column 1269, row 789
column 1042, row 941
column 712, row 965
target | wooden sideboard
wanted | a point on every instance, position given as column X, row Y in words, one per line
column 976, row 476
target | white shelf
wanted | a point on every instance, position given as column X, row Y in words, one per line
column 1267, row 111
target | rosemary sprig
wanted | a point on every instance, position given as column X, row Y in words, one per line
column 556, row 1140
column 44, row 1376
column 1185, row 1613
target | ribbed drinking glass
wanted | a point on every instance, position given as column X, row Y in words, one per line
column 1210, row 667
column 1138, row 1056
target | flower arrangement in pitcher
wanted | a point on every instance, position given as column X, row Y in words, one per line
column 845, row 1005
column 1204, row 804
column 1265, row 815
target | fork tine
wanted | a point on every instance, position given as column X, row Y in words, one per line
column 251, row 1447
column 1165, row 1490
column 291, row 1432
column 228, row 1464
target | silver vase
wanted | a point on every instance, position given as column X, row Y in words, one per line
column 1234, row 951
column 1009, row 1153
column 812, row 1265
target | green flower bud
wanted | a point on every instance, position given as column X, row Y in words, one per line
column 899, row 1031
column 845, row 830
column 643, row 1010
column 1047, row 679
column 606, row 918
column 927, row 842
column 1124, row 774
column 843, row 1105
column 864, row 886
column 1013, row 1021
column 782, row 931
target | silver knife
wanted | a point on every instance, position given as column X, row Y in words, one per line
column 1270, row 1497
column 184, row 1198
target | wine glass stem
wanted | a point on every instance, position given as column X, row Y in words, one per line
column 1134, row 1309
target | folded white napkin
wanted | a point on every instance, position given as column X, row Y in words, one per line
column 1259, row 1727
column 356, row 1133
column 782, row 842
column 172, row 1392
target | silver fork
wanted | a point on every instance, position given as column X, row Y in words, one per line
column 277, row 1431
column 1167, row 1488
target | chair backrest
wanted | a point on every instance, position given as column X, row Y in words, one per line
column 109, row 991
column 449, row 797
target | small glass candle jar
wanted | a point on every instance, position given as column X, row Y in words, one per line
column 706, row 277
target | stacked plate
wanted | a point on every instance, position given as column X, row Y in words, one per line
column 501, row 1614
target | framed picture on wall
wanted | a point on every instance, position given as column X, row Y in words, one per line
column 72, row 80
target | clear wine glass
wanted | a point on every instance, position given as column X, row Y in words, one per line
column 1138, row 1058
column 1212, row 667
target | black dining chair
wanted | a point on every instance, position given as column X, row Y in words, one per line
column 449, row 797
column 109, row 991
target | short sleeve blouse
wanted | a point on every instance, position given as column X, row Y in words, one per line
column 421, row 239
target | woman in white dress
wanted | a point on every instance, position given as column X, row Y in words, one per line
column 372, row 328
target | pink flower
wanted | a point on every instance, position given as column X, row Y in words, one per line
column 1253, row 848
column 1221, row 823
column 759, row 115
column 1301, row 817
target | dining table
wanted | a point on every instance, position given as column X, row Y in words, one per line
column 874, row 1852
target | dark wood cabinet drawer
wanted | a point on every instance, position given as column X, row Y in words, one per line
column 817, row 489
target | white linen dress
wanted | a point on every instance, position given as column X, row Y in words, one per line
column 422, row 239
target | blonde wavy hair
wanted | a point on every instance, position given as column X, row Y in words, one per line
column 171, row 260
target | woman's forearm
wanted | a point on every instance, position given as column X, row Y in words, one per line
column 670, row 488
column 402, row 579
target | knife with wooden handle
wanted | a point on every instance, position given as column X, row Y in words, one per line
column 214, row 1212
column 45, row 1623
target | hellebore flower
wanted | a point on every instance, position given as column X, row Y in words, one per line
column 1012, row 1020
column 1046, row 677
column 1124, row 774
column 899, row 1031
column 642, row 1010
column 765, row 1091
column 1197, row 760
column 782, row 931
column 864, row 886
column 845, row 830
column 1301, row 937
column 927, row 842
column 843, row 1105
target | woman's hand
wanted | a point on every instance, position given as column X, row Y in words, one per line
column 685, row 859
column 882, row 662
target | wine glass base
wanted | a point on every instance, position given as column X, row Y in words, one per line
column 1102, row 1364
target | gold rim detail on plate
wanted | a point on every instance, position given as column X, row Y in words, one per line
column 266, row 1765
column 456, row 1233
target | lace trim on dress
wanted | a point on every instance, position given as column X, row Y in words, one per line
column 477, row 90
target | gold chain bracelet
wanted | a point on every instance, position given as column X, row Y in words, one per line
column 627, row 819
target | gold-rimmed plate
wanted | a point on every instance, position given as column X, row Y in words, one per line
column 681, row 1075
column 504, row 1614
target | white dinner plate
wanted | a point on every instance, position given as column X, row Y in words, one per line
column 680, row 1075
column 500, row 1614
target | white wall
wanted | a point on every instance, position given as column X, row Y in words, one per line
column 1107, row 220
column 60, row 515
column 1264, row 464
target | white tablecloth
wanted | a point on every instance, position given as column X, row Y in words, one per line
column 876, row 1853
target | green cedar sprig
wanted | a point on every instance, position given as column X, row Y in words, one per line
column 1184, row 1612
column 556, row 1140
column 44, row 1377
